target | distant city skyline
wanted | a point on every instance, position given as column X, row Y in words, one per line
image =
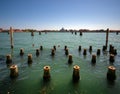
column 55, row 14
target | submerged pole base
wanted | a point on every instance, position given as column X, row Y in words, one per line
column 46, row 78
column 111, row 77
column 76, row 78
column 12, row 46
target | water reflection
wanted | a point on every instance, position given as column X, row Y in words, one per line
column 46, row 86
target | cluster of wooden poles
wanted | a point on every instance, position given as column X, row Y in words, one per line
column 111, row 69
column 46, row 76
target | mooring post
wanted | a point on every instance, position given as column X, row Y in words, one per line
column 70, row 61
column 98, row 51
column 21, row 52
column 52, row 52
column 107, row 32
column 46, row 75
column 39, row 32
column 65, row 47
column 66, row 51
column 41, row 48
column 37, row 52
column 85, row 52
column 32, row 33
column 93, row 60
column 80, row 33
column 11, row 37
column 54, row 47
column 8, row 59
column 30, row 58
column 90, row 48
column 13, row 71
column 111, row 58
column 79, row 49
column 111, row 74
column 76, row 75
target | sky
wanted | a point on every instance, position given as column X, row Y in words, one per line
column 55, row 14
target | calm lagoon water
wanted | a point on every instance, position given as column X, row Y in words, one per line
column 30, row 80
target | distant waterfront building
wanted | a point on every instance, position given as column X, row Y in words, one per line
column 62, row 30
column 1, row 29
column 17, row 30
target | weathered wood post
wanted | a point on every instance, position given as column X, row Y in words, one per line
column 8, row 59
column 30, row 58
column 70, row 61
column 66, row 51
column 112, row 58
column 111, row 74
column 39, row 32
column 11, row 37
column 65, row 47
column 52, row 52
column 98, row 51
column 37, row 52
column 32, row 33
column 93, row 60
column 107, row 32
column 81, row 33
column 90, row 48
column 13, row 71
column 21, row 52
column 46, row 75
column 54, row 47
column 85, row 52
column 41, row 48
column 79, row 49
column 76, row 75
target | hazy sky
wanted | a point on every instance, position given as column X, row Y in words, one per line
column 55, row 14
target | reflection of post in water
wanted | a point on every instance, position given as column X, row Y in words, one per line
column 11, row 37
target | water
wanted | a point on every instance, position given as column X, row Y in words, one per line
column 30, row 80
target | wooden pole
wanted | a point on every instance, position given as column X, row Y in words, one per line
column 46, row 75
column 107, row 32
column 76, row 75
column 11, row 37
column 13, row 71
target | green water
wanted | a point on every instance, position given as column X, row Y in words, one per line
column 30, row 80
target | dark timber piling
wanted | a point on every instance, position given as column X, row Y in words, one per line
column 76, row 75
column 46, row 75
column 106, row 43
column 11, row 37
column 111, row 75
